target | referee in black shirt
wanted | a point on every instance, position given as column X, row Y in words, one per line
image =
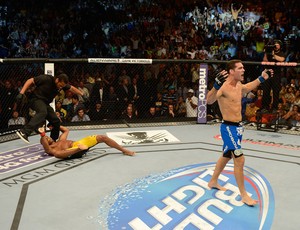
column 46, row 87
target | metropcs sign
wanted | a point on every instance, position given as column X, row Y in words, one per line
column 181, row 199
column 202, row 101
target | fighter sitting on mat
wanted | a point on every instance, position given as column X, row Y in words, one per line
column 67, row 149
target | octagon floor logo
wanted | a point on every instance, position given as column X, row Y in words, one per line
column 181, row 199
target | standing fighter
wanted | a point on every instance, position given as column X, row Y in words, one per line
column 228, row 91
column 46, row 88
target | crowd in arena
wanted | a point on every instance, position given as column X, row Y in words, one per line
column 201, row 30
column 155, row 29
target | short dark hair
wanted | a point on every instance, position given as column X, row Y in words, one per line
column 278, row 42
column 63, row 78
column 81, row 108
column 232, row 64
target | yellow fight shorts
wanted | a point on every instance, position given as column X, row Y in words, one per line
column 89, row 141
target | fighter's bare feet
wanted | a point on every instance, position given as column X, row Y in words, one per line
column 213, row 185
column 249, row 201
column 128, row 152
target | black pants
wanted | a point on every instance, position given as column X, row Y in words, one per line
column 43, row 112
column 274, row 84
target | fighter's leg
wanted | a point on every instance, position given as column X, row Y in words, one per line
column 221, row 163
column 111, row 143
column 54, row 121
column 239, row 162
column 40, row 107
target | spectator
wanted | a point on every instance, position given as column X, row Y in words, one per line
column 169, row 97
column 191, row 104
column 170, row 113
column 97, row 113
column 182, row 88
column 292, row 117
column 203, row 53
column 151, row 113
column 135, row 88
column 160, row 86
column 146, row 94
column 282, row 99
column 58, row 43
column 246, row 100
column 289, row 97
column 86, row 94
column 112, row 107
column 18, row 85
column 158, row 104
column 99, row 93
column 67, row 101
column 7, row 102
column 125, row 93
column 251, row 113
column 259, row 95
column 60, row 117
column 232, row 50
column 80, row 116
column 16, row 120
column 61, row 96
column 180, row 37
column 273, row 55
column 124, row 75
column 76, row 105
column 129, row 113
column 280, row 121
column 297, row 98
column 180, row 107
column 235, row 11
column 135, row 45
column 195, row 73
column 62, row 112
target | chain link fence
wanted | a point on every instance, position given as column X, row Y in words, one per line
column 127, row 90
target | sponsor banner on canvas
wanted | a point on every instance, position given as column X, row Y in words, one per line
column 19, row 158
column 180, row 199
column 142, row 137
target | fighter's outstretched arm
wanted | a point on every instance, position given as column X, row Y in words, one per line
column 65, row 132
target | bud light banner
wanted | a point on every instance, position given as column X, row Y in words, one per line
column 202, row 102
column 181, row 199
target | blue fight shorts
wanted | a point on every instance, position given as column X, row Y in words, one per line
column 232, row 133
